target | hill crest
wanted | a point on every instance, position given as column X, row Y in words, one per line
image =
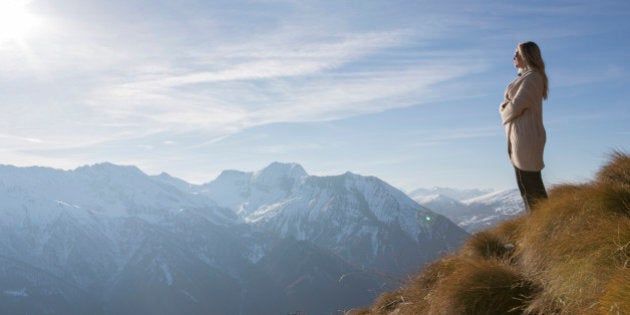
column 570, row 255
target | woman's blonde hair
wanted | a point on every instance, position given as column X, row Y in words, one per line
column 530, row 53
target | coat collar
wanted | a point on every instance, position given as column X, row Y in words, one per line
column 524, row 72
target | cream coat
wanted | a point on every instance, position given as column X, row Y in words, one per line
column 521, row 112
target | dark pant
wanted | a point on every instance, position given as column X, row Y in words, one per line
column 531, row 186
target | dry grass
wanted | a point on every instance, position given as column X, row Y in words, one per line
column 571, row 255
column 481, row 287
column 616, row 299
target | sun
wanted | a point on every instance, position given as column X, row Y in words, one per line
column 15, row 20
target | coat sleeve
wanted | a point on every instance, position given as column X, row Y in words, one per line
column 529, row 93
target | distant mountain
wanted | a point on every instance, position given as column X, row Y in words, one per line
column 491, row 209
column 478, row 210
column 444, row 205
column 362, row 219
column 452, row 193
column 109, row 239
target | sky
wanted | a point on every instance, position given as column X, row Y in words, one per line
column 407, row 91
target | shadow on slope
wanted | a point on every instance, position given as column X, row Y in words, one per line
column 571, row 255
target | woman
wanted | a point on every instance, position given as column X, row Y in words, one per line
column 521, row 112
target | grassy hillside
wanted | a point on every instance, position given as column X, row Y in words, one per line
column 571, row 255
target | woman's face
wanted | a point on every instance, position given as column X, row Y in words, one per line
column 518, row 60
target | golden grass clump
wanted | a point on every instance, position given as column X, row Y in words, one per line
column 486, row 245
column 616, row 299
column 481, row 287
column 617, row 172
column 570, row 255
column 614, row 183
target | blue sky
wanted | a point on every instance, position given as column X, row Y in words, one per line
column 407, row 91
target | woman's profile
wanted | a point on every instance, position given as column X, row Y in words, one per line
column 521, row 114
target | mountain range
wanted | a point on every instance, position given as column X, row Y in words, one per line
column 473, row 209
column 110, row 239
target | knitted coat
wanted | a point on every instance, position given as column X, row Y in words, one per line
column 521, row 113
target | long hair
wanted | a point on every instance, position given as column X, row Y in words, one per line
column 530, row 52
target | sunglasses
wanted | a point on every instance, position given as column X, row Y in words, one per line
column 516, row 55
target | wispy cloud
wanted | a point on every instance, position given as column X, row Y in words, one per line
column 286, row 71
column 20, row 139
column 281, row 82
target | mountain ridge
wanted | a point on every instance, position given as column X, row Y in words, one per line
column 475, row 210
column 119, row 233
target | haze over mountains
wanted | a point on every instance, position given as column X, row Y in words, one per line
column 473, row 209
column 108, row 239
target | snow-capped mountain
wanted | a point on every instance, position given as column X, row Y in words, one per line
column 108, row 239
column 452, row 193
column 362, row 219
column 247, row 194
column 442, row 204
column 488, row 210
column 477, row 210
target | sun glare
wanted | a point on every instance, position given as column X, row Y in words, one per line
column 15, row 20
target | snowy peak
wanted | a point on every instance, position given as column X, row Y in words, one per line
column 442, row 204
column 277, row 174
column 283, row 175
column 455, row 194
column 358, row 217
column 105, row 189
column 284, row 168
column 233, row 176
column 437, row 199
column 110, row 175
column 245, row 193
column 474, row 209
column 286, row 193
column 384, row 201
column 502, row 196
column 109, row 169
column 229, row 190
